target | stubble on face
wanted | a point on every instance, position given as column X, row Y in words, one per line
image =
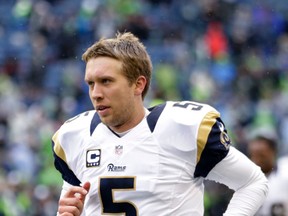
column 120, row 116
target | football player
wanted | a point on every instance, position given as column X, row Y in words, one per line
column 125, row 159
column 263, row 151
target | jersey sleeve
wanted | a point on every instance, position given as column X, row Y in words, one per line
column 212, row 143
column 68, row 146
column 60, row 161
column 247, row 180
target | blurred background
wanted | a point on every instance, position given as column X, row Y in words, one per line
column 232, row 54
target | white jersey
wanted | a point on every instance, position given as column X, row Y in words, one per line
column 282, row 166
column 157, row 168
column 276, row 203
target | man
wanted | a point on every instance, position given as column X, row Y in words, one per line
column 124, row 159
column 263, row 151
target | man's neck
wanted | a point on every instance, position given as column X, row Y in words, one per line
column 122, row 133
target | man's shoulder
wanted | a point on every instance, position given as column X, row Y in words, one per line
column 282, row 164
column 77, row 123
column 186, row 112
column 177, row 115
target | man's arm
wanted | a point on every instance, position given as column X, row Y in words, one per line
column 247, row 180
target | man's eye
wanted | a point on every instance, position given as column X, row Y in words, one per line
column 90, row 83
column 106, row 81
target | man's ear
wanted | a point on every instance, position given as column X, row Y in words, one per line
column 140, row 85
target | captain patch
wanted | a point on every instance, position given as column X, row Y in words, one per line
column 93, row 158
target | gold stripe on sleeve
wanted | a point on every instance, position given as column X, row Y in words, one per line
column 204, row 130
column 58, row 148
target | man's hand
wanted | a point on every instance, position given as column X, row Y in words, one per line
column 72, row 203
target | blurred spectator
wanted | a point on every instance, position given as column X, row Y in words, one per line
column 263, row 149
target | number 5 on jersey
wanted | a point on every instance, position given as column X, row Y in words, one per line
column 108, row 186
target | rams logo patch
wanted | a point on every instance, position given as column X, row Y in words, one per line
column 224, row 138
column 93, row 158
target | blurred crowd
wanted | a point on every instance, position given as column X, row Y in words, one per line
column 232, row 54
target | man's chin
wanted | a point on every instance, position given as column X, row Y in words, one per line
column 106, row 121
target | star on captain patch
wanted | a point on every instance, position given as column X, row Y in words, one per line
column 119, row 150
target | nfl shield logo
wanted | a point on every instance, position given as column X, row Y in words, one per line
column 118, row 150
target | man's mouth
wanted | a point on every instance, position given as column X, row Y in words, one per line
column 101, row 108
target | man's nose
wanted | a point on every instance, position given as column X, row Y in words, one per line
column 96, row 92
